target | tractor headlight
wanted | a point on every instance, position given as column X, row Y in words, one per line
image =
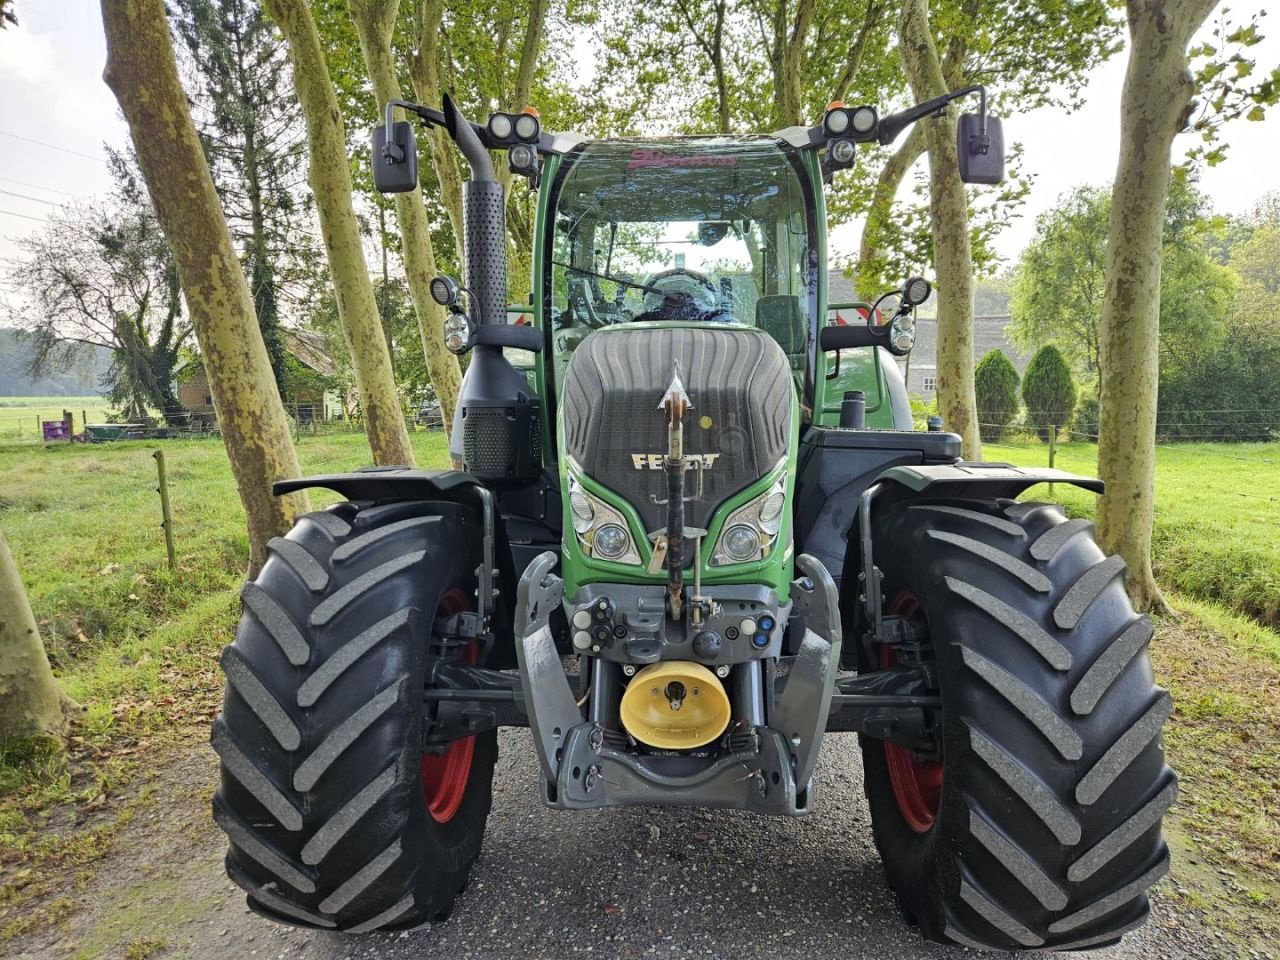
column 902, row 334
column 741, row 543
column 527, row 125
column 584, row 514
column 751, row 531
column 841, row 152
column 602, row 531
column 610, row 541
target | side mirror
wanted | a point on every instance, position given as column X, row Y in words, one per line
column 395, row 161
column 981, row 151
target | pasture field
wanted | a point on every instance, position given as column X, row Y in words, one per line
column 20, row 416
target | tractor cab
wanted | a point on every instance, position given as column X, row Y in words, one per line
column 693, row 230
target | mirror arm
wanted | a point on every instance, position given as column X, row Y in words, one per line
column 895, row 123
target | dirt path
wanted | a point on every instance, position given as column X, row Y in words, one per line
column 614, row 883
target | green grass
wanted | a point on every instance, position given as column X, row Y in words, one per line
column 1217, row 513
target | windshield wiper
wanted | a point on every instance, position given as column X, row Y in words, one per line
column 647, row 288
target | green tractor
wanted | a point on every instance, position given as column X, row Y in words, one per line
column 693, row 534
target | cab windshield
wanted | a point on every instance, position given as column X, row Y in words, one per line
column 702, row 229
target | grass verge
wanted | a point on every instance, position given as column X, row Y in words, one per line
column 1224, row 741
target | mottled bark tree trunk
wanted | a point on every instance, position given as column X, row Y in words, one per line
column 872, row 255
column 425, row 71
column 949, row 216
column 1154, row 106
column 32, row 703
column 330, row 178
column 786, row 58
column 375, row 20
column 142, row 74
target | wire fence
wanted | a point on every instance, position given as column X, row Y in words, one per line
column 100, row 424
column 1185, row 452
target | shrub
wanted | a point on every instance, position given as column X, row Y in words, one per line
column 996, row 382
column 1048, row 391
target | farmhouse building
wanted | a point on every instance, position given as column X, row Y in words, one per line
column 920, row 367
column 307, row 401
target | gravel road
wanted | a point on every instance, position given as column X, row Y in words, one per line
column 645, row 883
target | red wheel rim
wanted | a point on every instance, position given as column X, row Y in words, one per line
column 917, row 784
column 445, row 775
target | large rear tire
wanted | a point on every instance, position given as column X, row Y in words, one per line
column 336, row 819
column 1039, row 827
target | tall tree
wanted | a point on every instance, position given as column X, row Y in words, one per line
column 1155, row 105
column 1060, row 282
column 330, row 178
column 100, row 274
column 375, row 22
column 1058, row 289
column 1030, row 54
column 248, row 124
column 143, row 74
column 32, row 704
column 949, row 218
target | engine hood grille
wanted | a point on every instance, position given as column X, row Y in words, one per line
column 738, row 380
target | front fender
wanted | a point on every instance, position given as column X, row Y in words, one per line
column 975, row 480
column 390, row 483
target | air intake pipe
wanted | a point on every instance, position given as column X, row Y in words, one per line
column 497, row 425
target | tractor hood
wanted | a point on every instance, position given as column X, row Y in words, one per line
column 739, row 382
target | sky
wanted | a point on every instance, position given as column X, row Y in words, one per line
column 51, row 91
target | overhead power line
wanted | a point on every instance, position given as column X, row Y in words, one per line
column 36, row 186
column 52, row 146
column 24, row 216
column 27, row 196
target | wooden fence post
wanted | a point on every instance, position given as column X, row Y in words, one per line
column 167, row 522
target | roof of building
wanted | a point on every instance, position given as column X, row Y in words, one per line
column 308, row 348
column 305, row 346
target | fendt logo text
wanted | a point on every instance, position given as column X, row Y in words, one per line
column 655, row 461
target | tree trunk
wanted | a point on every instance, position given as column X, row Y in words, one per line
column 872, row 262
column 949, row 216
column 787, row 60
column 375, row 20
column 330, row 178
column 32, row 703
column 425, row 70
column 1154, row 104
column 142, row 74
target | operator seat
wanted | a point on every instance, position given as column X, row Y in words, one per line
column 782, row 317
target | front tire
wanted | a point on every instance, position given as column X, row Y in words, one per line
column 335, row 817
column 1039, row 827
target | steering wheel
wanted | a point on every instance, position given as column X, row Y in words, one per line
column 680, row 293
